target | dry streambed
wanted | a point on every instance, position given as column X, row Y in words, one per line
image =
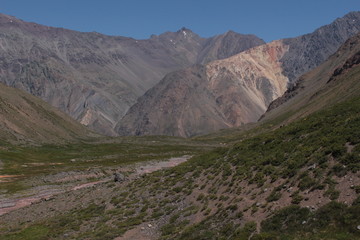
column 65, row 182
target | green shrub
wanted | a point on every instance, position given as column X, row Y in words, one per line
column 296, row 198
column 306, row 182
column 274, row 196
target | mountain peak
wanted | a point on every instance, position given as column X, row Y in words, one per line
column 231, row 32
column 185, row 32
column 182, row 32
column 184, row 29
column 7, row 18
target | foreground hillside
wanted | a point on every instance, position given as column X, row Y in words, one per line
column 27, row 119
column 233, row 91
column 296, row 179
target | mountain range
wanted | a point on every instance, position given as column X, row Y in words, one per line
column 233, row 91
column 176, row 83
column 96, row 78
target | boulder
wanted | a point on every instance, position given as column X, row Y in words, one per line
column 118, row 177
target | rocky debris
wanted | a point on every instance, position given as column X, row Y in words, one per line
column 47, row 198
column 351, row 62
column 119, row 177
column 291, row 92
column 7, row 204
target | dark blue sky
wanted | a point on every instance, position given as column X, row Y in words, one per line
column 268, row 19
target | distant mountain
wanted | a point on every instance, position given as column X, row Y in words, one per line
column 25, row 119
column 233, row 91
column 309, row 51
column 204, row 98
column 96, row 78
column 226, row 45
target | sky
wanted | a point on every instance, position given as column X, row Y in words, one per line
column 268, row 19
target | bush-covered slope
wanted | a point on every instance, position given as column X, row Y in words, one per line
column 25, row 118
column 227, row 193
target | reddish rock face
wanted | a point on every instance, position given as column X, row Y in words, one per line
column 201, row 99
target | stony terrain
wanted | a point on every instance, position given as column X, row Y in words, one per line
column 47, row 187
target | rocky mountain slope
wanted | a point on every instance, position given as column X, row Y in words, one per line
column 334, row 81
column 233, row 91
column 202, row 98
column 96, row 78
column 27, row 119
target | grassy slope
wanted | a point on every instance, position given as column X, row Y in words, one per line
column 27, row 119
column 25, row 162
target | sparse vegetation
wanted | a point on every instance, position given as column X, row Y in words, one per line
column 225, row 187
